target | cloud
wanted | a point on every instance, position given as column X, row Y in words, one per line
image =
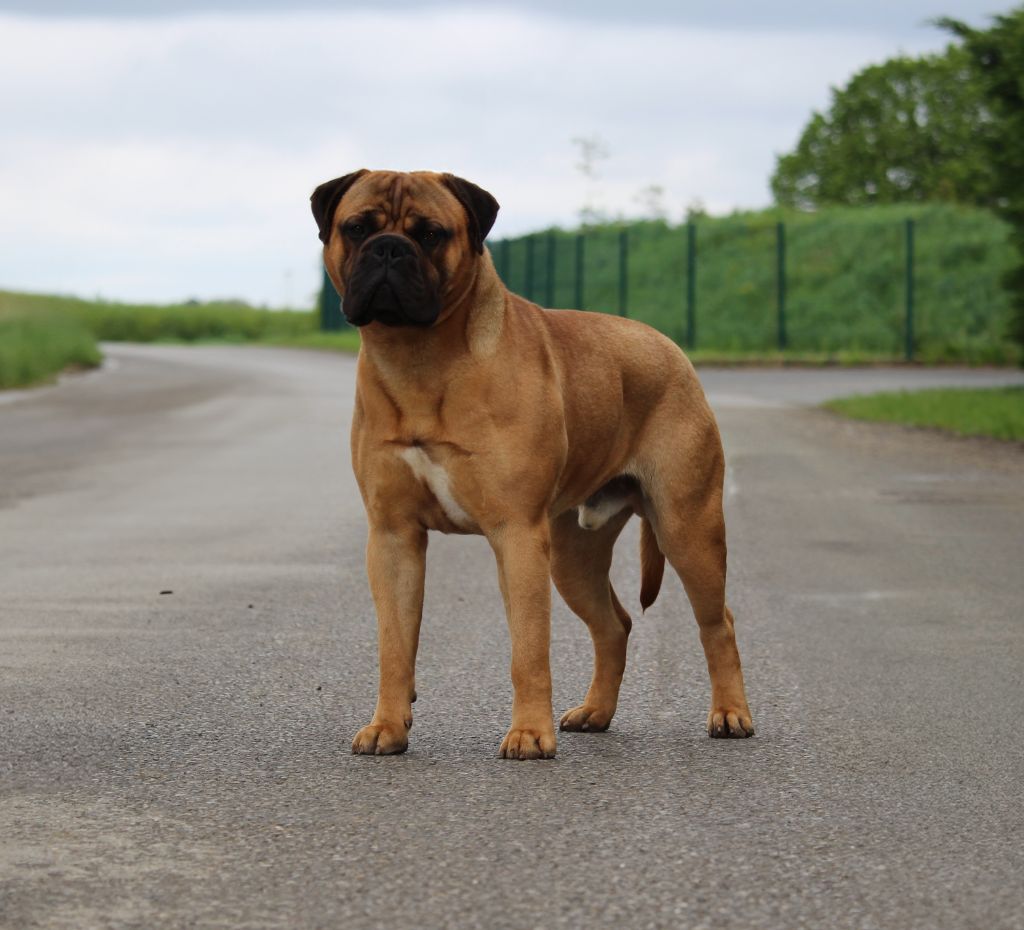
column 158, row 159
column 877, row 16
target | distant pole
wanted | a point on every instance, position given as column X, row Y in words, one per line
column 623, row 271
column 908, row 349
column 691, row 285
column 552, row 245
column 528, row 288
column 579, row 271
column 780, row 281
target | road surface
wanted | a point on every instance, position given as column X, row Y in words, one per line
column 187, row 645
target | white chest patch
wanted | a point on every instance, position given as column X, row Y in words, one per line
column 435, row 478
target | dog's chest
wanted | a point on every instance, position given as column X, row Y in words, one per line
column 435, row 477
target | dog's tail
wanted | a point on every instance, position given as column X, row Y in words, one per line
column 652, row 564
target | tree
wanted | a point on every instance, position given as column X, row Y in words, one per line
column 909, row 129
column 652, row 202
column 997, row 57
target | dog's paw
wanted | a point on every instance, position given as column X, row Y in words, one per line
column 730, row 723
column 528, row 744
column 586, row 719
column 381, row 739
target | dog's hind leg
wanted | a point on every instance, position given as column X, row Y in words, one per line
column 686, row 494
column 580, row 561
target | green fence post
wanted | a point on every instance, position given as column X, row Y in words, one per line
column 908, row 348
column 506, row 248
column 691, row 285
column 331, row 317
column 550, row 296
column 528, row 284
column 780, row 282
column 623, row 272
column 579, row 271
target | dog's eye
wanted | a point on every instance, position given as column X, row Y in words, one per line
column 355, row 231
column 431, row 237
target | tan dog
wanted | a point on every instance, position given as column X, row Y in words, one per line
column 544, row 430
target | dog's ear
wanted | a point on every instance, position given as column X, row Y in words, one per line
column 325, row 198
column 480, row 207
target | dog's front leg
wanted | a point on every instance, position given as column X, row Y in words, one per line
column 395, row 563
column 524, row 555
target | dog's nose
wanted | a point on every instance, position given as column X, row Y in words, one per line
column 391, row 248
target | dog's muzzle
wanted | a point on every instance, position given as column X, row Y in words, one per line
column 388, row 286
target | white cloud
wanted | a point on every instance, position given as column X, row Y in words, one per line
column 159, row 159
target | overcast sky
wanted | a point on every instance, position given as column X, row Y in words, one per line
column 164, row 150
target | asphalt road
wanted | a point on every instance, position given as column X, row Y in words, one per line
column 182, row 759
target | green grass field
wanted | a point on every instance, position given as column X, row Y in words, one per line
column 220, row 320
column 36, row 346
column 40, row 335
column 845, row 280
column 995, row 412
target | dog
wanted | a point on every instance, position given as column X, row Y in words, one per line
column 479, row 412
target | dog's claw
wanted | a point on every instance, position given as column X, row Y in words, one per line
column 585, row 719
column 380, row 739
column 725, row 723
column 528, row 744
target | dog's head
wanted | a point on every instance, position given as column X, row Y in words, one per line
column 399, row 246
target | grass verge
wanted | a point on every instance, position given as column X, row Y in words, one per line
column 994, row 412
column 740, row 358
column 230, row 321
column 41, row 334
column 35, row 347
column 346, row 340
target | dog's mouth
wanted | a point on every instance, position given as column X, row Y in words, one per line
column 391, row 300
column 384, row 302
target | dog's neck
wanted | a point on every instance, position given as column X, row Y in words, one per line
column 486, row 310
column 471, row 329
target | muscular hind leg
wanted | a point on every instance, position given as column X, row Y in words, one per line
column 580, row 561
column 690, row 529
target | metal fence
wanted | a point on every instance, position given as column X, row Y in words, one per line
column 923, row 285
column 770, row 285
column 329, row 307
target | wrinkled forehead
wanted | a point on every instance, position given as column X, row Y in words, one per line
column 399, row 195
